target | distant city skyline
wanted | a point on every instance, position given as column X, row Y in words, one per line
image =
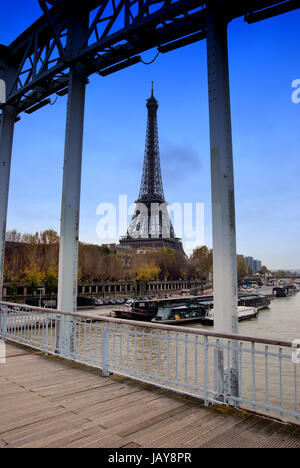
column 264, row 63
column 253, row 263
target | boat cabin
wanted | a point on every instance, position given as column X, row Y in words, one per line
column 183, row 314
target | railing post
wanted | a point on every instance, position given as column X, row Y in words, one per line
column 47, row 337
column 3, row 323
column 219, row 380
column 206, row 381
column 65, row 336
column 222, row 182
column 105, row 349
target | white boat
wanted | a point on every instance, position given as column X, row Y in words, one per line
column 244, row 313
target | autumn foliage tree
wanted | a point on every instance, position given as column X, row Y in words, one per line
column 33, row 259
column 242, row 268
column 201, row 262
column 51, row 279
column 145, row 273
column 34, row 276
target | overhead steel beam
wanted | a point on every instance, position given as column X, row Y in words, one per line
column 44, row 7
column 136, row 43
column 182, row 42
column 276, row 10
column 118, row 30
column 120, row 66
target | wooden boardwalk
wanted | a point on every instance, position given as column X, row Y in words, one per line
column 48, row 402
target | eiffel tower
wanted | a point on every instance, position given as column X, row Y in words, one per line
column 151, row 225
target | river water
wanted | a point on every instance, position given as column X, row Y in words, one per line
column 280, row 321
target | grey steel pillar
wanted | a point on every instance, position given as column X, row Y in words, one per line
column 223, row 205
column 6, row 140
column 78, row 23
column 222, row 181
column 69, row 228
column 69, row 231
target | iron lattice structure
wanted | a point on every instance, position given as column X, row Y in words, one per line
column 151, row 186
column 36, row 65
column 151, row 225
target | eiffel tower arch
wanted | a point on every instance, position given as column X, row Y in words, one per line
column 151, row 225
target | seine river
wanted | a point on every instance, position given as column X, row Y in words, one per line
column 281, row 320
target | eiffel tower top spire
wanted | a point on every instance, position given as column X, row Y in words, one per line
column 151, row 186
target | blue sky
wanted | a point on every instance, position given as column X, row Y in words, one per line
column 264, row 60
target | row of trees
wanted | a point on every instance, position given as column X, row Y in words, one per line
column 33, row 259
column 45, row 237
column 286, row 274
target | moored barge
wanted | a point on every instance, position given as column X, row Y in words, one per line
column 148, row 309
column 244, row 313
column 285, row 290
column 178, row 315
column 254, row 300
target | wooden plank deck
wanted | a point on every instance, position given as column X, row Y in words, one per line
column 48, row 402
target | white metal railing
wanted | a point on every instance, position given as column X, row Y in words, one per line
column 251, row 373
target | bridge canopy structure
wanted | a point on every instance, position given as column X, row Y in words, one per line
column 71, row 41
column 116, row 32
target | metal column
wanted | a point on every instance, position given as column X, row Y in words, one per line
column 223, row 206
column 78, row 23
column 6, row 140
column 69, row 233
column 223, row 203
